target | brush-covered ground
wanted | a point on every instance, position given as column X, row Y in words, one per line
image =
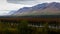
column 22, row 28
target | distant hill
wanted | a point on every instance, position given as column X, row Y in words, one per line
column 52, row 8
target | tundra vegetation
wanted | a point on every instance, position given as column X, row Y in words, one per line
column 23, row 28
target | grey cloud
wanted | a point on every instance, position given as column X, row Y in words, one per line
column 28, row 2
column 20, row 0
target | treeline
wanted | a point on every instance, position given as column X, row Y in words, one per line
column 32, row 16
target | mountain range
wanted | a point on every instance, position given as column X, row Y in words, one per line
column 52, row 8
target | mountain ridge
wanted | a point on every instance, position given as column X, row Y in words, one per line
column 52, row 8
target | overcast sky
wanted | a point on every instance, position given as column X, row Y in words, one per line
column 7, row 5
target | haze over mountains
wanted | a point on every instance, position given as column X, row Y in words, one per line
column 39, row 9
